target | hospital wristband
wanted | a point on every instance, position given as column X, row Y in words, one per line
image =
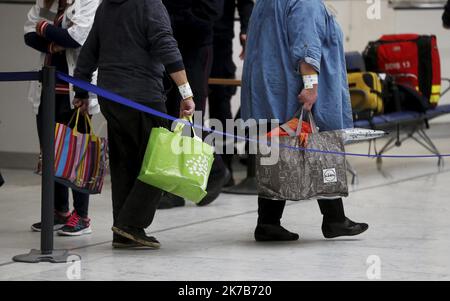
column 185, row 91
column 310, row 80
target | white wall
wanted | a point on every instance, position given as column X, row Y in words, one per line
column 17, row 128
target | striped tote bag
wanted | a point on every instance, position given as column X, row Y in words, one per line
column 80, row 159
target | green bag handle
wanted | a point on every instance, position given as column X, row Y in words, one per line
column 180, row 126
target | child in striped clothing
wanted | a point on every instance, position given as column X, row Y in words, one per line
column 58, row 29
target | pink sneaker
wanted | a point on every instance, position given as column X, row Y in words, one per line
column 76, row 226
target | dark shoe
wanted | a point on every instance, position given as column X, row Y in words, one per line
column 230, row 183
column 345, row 228
column 228, row 161
column 267, row 232
column 214, row 187
column 76, row 226
column 169, row 201
column 120, row 242
column 2, row 181
column 58, row 222
column 137, row 235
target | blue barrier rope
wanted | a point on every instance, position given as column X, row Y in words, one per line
column 20, row 76
column 30, row 76
column 129, row 103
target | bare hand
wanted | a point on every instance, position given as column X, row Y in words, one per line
column 308, row 98
column 187, row 107
column 243, row 38
column 56, row 48
column 82, row 104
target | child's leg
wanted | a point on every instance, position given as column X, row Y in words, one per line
column 78, row 223
column 61, row 198
column 81, row 203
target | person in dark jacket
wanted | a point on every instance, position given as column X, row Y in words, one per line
column 132, row 45
column 192, row 23
column 446, row 16
column 223, row 65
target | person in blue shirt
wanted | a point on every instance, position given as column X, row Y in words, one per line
column 295, row 57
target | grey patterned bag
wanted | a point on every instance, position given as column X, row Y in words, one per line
column 302, row 175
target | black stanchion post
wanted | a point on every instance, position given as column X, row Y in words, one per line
column 46, row 253
column 48, row 158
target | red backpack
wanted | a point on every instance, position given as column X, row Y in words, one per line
column 412, row 59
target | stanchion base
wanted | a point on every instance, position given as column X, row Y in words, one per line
column 246, row 187
column 35, row 256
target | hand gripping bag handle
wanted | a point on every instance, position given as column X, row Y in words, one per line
column 300, row 122
column 87, row 122
column 180, row 126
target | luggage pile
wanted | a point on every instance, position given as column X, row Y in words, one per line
column 395, row 73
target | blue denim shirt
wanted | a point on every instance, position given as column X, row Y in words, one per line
column 281, row 35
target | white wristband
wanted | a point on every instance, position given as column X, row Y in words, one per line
column 185, row 91
column 310, row 80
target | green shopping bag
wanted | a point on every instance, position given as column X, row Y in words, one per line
column 177, row 164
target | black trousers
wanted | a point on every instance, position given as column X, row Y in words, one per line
column 134, row 202
column 63, row 114
column 271, row 211
column 197, row 62
column 222, row 67
column 220, row 96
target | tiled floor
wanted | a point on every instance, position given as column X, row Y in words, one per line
column 407, row 207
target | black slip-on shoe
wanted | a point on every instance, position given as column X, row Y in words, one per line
column 123, row 243
column 267, row 232
column 231, row 182
column 345, row 228
column 59, row 221
column 169, row 201
column 137, row 235
column 214, row 188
